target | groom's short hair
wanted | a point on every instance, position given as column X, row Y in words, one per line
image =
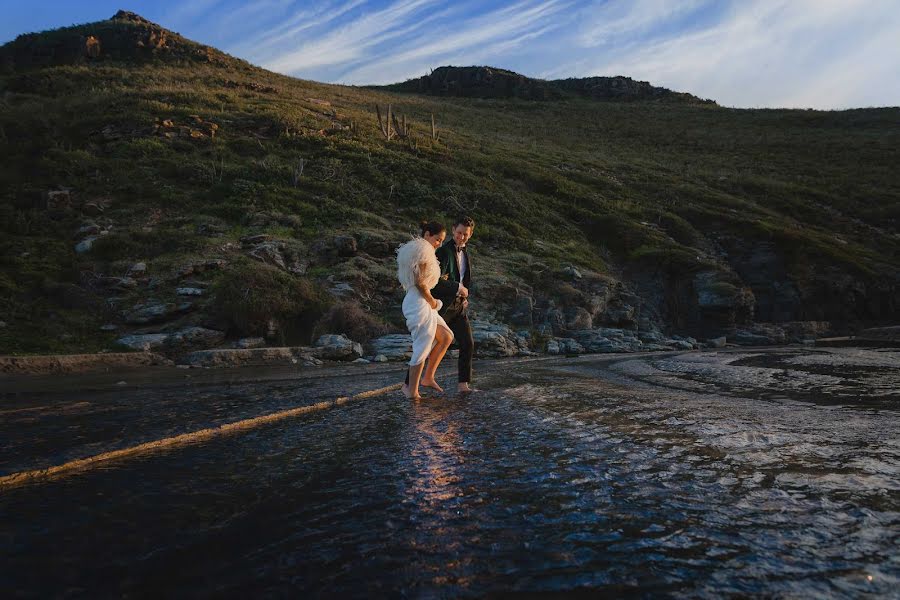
column 465, row 221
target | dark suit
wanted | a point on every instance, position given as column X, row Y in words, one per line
column 452, row 310
column 457, row 318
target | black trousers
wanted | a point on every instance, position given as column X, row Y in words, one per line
column 462, row 336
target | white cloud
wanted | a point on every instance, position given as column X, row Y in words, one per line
column 771, row 53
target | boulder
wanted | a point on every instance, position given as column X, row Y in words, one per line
column 269, row 253
column 195, row 336
column 58, row 200
column 593, row 340
column 564, row 346
column 521, row 312
column 189, row 291
column 493, row 340
column 137, row 269
column 238, row 357
column 251, row 342
column 345, row 245
column 747, row 338
column 155, row 312
column 577, row 318
column 338, row 347
column 395, row 347
column 718, row 342
column 143, row 342
column 86, row 230
column 85, row 244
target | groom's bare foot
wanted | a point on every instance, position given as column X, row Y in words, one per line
column 432, row 384
column 465, row 388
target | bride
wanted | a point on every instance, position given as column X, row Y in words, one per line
column 418, row 271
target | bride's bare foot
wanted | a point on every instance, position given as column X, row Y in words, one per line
column 408, row 392
column 432, row 384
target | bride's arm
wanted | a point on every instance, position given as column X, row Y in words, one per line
column 423, row 289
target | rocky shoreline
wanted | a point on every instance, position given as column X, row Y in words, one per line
column 491, row 340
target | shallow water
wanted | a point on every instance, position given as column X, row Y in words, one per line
column 699, row 474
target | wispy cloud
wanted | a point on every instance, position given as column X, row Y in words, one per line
column 350, row 41
column 772, row 53
column 484, row 37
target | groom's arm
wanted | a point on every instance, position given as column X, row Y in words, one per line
column 445, row 290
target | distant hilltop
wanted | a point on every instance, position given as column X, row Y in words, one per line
column 491, row 82
column 126, row 36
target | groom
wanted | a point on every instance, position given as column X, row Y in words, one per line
column 453, row 291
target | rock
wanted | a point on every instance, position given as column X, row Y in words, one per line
column 198, row 267
column 338, row 347
column 345, row 245
column 559, row 345
column 577, row 318
column 361, row 361
column 380, row 358
column 195, row 336
column 188, row 291
column 58, row 200
column 394, row 347
column 109, row 327
column 375, row 245
column 619, row 313
column 573, row 272
column 251, row 342
column 554, row 320
column 86, row 230
column 253, row 240
column 145, row 342
column 493, row 340
column 94, row 209
column 521, row 313
column 236, row 357
column 120, row 284
column 718, row 342
column 138, row 269
column 747, row 338
column 85, row 244
column 593, row 340
column 155, row 312
column 342, row 289
column 681, row 345
column 650, row 336
column 269, row 253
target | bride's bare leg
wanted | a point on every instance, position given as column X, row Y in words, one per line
column 442, row 341
column 411, row 390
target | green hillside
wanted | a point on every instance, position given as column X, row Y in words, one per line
column 682, row 216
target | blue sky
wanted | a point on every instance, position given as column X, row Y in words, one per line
column 748, row 53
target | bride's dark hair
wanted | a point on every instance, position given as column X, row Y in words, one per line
column 431, row 227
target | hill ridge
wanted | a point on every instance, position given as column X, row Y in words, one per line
column 494, row 82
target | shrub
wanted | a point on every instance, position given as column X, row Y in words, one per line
column 353, row 320
column 251, row 294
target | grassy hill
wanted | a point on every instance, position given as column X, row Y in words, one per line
column 125, row 144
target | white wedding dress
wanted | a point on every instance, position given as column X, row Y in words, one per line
column 421, row 319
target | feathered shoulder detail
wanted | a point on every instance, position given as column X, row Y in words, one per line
column 410, row 256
